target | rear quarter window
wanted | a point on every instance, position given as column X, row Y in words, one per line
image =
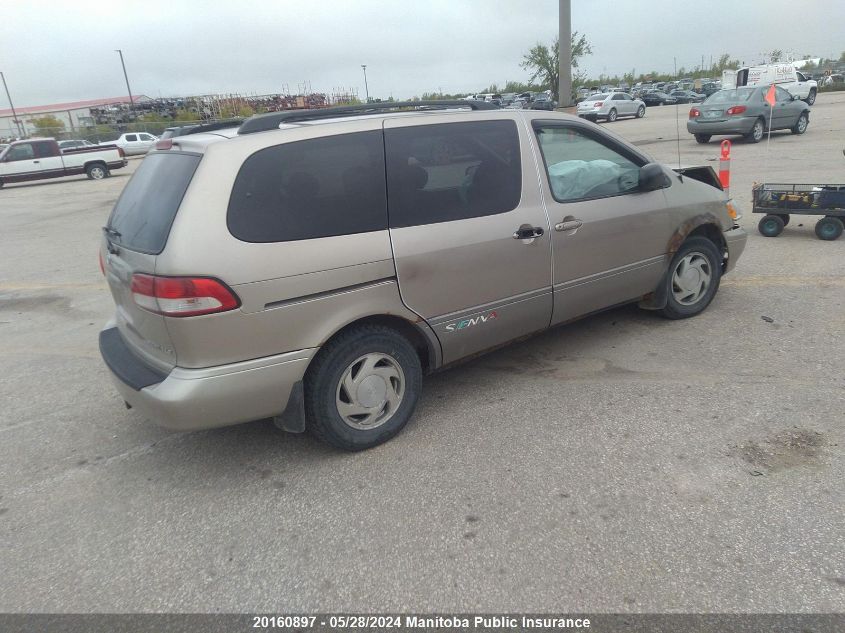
column 146, row 208
column 323, row 187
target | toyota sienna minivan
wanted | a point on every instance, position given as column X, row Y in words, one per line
column 312, row 266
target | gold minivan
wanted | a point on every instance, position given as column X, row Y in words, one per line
column 311, row 266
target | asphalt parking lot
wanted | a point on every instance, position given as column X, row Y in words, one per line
column 621, row 463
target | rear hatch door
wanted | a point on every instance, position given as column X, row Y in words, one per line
column 136, row 233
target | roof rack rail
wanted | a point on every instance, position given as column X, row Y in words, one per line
column 271, row 121
column 216, row 125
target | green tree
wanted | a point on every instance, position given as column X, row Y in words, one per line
column 48, row 125
column 842, row 57
column 542, row 61
column 775, row 56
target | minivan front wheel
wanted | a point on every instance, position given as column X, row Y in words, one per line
column 362, row 388
column 693, row 278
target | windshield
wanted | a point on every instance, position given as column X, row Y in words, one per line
column 731, row 95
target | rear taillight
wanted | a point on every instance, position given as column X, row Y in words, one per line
column 694, row 113
column 121, row 152
column 735, row 110
column 102, row 265
column 598, row 104
column 165, row 144
column 182, row 296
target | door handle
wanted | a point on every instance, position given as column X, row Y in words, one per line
column 568, row 225
column 36, row 161
column 528, row 232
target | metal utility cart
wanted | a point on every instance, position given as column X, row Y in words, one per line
column 779, row 202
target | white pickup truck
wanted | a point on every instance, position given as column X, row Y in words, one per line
column 784, row 75
column 41, row 158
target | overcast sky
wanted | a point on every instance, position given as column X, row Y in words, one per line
column 55, row 51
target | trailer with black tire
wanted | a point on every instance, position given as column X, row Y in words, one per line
column 779, row 202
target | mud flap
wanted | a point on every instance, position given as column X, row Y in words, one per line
column 657, row 300
column 292, row 419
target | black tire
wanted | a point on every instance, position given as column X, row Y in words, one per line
column 785, row 217
column 771, row 225
column 611, row 116
column 97, row 171
column 811, row 98
column 801, row 124
column 322, row 385
column 829, row 228
column 757, row 131
column 693, row 246
column 641, row 112
column 702, row 138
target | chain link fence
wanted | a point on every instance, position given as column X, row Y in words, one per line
column 103, row 133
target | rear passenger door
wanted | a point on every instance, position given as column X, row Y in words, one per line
column 622, row 107
column 469, row 233
column 49, row 162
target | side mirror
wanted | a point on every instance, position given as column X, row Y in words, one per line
column 652, row 177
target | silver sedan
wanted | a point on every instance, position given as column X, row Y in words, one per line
column 610, row 106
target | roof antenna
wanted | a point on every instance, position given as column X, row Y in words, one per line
column 678, row 125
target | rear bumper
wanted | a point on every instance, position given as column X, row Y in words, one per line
column 735, row 240
column 192, row 399
column 740, row 125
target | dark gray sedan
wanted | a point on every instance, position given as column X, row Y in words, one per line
column 744, row 111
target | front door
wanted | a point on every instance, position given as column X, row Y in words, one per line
column 470, row 235
column 21, row 163
column 609, row 239
column 785, row 110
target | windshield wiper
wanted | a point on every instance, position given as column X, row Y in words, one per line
column 110, row 231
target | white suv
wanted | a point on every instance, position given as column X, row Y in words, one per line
column 133, row 143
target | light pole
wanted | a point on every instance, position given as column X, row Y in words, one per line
column 565, row 53
column 126, row 77
column 366, row 88
column 9, row 97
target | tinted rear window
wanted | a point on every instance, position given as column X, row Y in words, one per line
column 146, row 208
column 452, row 171
column 322, row 187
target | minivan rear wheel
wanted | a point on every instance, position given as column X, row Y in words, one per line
column 693, row 278
column 362, row 388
